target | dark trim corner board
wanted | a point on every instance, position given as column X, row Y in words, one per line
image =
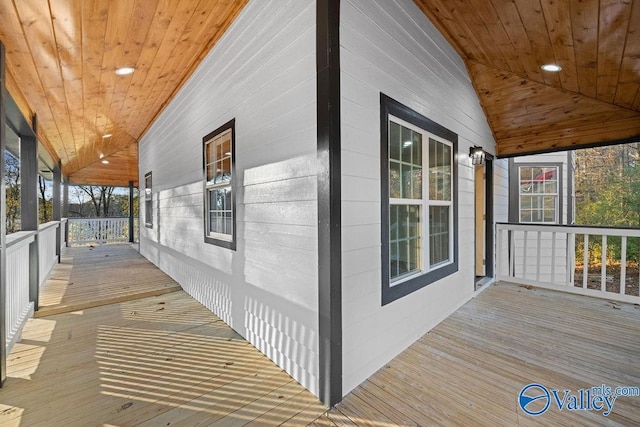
column 329, row 201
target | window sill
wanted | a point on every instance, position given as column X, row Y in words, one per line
column 228, row 243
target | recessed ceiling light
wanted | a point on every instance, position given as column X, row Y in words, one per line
column 101, row 155
column 105, row 161
column 124, row 71
column 107, row 135
column 554, row 68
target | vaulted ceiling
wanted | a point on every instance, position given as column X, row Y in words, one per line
column 61, row 59
column 62, row 56
column 592, row 100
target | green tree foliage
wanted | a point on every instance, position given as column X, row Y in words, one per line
column 607, row 181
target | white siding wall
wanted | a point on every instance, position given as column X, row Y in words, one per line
column 262, row 73
column 501, row 208
column 389, row 46
column 501, row 190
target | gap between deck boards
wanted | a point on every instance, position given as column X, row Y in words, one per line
column 67, row 308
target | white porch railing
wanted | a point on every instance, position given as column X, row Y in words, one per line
column 63, row 234
column 19, row 308
column 47, row 249
column 545, row 256
column 98, row 230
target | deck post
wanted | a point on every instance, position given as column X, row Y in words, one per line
column 329, row 199
column 57, row 181
column 65, row 210
column 3, row 221
column 131, row 239
column 29, row 204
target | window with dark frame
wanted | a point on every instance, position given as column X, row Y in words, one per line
column 219, row 198
column 419, row 200
column 538, row 194
column 148, row 201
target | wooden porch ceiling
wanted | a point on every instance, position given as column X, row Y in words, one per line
column 62, row 56
column 61, row 62
column 593, row 100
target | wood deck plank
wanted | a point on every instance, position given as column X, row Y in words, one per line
column 469, row 369
column 90, row 276
column 166, row 359
column 142, row 360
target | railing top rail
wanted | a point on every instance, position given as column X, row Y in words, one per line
column 576, row 229
column 76, row 219
column 20, row 238
column 48, row 225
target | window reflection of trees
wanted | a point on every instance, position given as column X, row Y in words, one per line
column 12, row 185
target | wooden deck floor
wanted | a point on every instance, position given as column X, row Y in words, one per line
column 470, row 369
column 105, row 274
column 130, row 348
column 166, row 360
column 158, row 361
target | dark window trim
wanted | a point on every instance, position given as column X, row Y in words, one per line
column 389, row 106
column 489, row 230
column 514, row 190
column 148, row 224
column 228, row 244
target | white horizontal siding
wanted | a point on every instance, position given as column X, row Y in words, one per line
column 262, row 73
column 389, row 46
column 550, row 262
column 501, row 190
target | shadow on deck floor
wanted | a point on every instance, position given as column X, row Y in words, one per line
column 166, row 360
column 150, row 360
column 91, row 276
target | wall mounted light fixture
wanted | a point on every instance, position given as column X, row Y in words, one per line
column 477, row 155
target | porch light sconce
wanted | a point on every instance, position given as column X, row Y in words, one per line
column 477, row 155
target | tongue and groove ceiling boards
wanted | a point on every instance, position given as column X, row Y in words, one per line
column 62, row 56
column 594, row 98
column 61, row 61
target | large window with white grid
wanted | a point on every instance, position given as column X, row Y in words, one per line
column 418, row 200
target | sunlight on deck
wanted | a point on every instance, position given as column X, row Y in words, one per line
column 89, row 276
column 470, row 368
column 132, row 349
column 155, row 361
